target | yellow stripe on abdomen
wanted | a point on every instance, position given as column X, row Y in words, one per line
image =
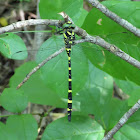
column 69, row 109
column 69, row 101
column 69, row 79
column 69, row 91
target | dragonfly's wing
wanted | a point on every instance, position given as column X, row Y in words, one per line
column 99, row 57
column 97, row 52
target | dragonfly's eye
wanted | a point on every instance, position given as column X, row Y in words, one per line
column 68, row 25
column 72, row 26
column 65, row 26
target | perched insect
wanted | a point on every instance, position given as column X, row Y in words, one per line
column 69, row 37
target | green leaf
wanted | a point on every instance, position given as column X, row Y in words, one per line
column 50, row 9
column 34, row 88
column 23, row 127
column 126, row 86
column 112, row 64
column 131, row 89
column 135, row 96
column 13, row 100
column 81, row 17
column 118, row 0
column 24, row 0
column 131, row 130
column 96, row 98
column 11, row 44
column 106, row 111
column 120, row 8
column 81, row 127
column 55, row 72
column 128, row 132
column 96, row 23
column 3, row 133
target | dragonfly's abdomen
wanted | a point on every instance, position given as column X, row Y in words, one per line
column 69, row 109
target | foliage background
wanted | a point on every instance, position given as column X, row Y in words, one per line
column 96, row 74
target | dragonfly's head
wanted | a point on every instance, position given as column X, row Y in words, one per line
column 68, row 25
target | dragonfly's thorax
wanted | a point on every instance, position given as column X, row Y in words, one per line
column 69, row 36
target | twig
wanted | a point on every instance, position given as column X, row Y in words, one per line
column 124, row 23
column 7, row 115
column 39, row 66
column 110, row 47
column 122, row 121
column 113, row 49
column 43, row 63
column 66, row 17
column 30, row 22
column 42, row 115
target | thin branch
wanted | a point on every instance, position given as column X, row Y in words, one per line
column 30, row 22
column 113, row 49
column 122, row 121
column 42, row 115
column 44, row 62
column 124, row 23
column 110, row 47
column 7, row 115
column 39, row 66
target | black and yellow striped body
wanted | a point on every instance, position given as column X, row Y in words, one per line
column 69, row 37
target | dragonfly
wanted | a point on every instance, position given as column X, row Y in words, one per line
column 69, row 37
column 99, row 58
